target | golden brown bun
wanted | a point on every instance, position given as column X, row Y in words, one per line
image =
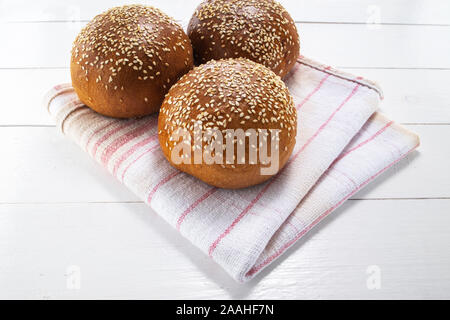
column 125, row 60
column 229, row 94
column 259, row 30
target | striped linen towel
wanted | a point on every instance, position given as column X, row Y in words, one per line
column 342, row 145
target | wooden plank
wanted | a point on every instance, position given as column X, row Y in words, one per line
column 42, row 166
column 390, row 46
column 344, row 11
column 411, row 96
column 125, row 251
column 341, row 45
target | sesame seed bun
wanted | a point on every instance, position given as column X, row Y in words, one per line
column 125, row 60
column 228, row 94
column 259, row 30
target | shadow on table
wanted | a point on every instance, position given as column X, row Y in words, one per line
column 335, row 214
column 215, row 273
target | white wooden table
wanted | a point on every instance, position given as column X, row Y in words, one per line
column 69, row 230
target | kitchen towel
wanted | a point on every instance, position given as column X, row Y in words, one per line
column 342, row 144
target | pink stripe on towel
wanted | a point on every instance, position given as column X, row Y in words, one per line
column 161, row 183
column 239, row 217
column 124, row 139
column 253, row 202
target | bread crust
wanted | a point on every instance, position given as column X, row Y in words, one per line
column 259, row 30
column 229, row 94
column 125, row 60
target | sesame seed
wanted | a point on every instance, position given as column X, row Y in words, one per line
column 230, row 94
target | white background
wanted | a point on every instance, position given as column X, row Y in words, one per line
column 69, row 230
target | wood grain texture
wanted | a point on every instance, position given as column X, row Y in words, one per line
column 125, row 251
column 58, row 208
column 48, row 45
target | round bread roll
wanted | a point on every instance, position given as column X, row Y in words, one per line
column 259, row 30
column 125, row 60
column 221, row 95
